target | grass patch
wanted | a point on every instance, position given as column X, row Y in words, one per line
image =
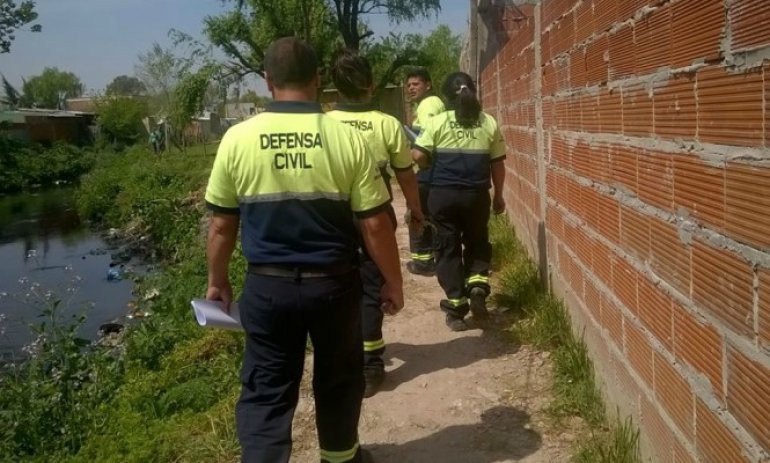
column 168, row 393
column 542, row 320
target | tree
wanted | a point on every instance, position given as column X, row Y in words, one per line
column 160, row 70
column 50, row 88
column 12, row 96
column 126, row 86
column 189, row 98
column 244, row 33
column 12, row 17
column 438, row 51
column 349, row 15
column 120, row 119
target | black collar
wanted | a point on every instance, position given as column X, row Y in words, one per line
column 356, row 107
column 294, row 107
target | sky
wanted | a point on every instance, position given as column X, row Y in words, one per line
column 101, row 39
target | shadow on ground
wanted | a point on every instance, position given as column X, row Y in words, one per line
column 502, row 435
column 423, row 359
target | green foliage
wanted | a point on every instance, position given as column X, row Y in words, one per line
column 245, row 32
column 120, row 119
column 189, row 95
column 12, row 17
column 159, row 70
column 12, row 96
column 23, row 166
column 47, row 400
column 167, row 394
column 618, row 445
column 45, row 90
column 438, row 51
column 125, row 86
column 543, row 321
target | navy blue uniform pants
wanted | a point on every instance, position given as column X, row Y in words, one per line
column 278, row 314
column 463, row 251
column 421, row 246
column 371, row 313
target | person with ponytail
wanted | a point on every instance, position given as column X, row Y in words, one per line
column 465, row 149
column 383, row 134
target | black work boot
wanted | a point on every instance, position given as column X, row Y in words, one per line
column 424, row 268
column 455, row 323
column 373, row 379
column 478, row 299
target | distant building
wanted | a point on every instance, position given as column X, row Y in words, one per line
column 242, row 111
column 47, row 126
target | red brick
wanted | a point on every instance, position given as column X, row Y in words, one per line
column 675, row 113
column 748, row 394
column 545, row 45
column 655, row 312
column 748, row 20
column 610, row 111
column 596, row 64
column 637, row 111
column 656, row 182
column 628, row 8
column 606, row 13
column 555, row 186
column 638, row 351
column 591, row 207
column 624, row 162
column 747, row 190
column 612, row 321
column 652, row 41
column 553, row 10
column 549, row 80
column 696, row 43
column 599, row 162
column 722, row 283
column 564, row 35
column 713, row 440
column 764, row 307
column 589, row 107
column 593, row 300
column 563, row 265
column 730, row 107
column 577, row 68
column 622, row 53
column 681, row 454
column 609, row 218
column 624, row 282
column 699, row 345
column 561, row 153
column 669, row 256
column 635, row 233
column 673, row 392
column 699, row 188
column 585, row 25
column 656, row 431
column 581, row 158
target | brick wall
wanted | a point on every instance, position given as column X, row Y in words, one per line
column 638, row 166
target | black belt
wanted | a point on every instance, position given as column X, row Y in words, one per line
column 290, row 271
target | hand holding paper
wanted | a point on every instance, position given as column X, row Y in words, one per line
column 211, row 314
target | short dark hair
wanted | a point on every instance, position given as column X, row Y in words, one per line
column 420, row 73
column 352, row 74
column 290, row 62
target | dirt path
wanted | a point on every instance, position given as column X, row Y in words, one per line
column 449, row 397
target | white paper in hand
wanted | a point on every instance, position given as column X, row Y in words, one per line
column 210, row 314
